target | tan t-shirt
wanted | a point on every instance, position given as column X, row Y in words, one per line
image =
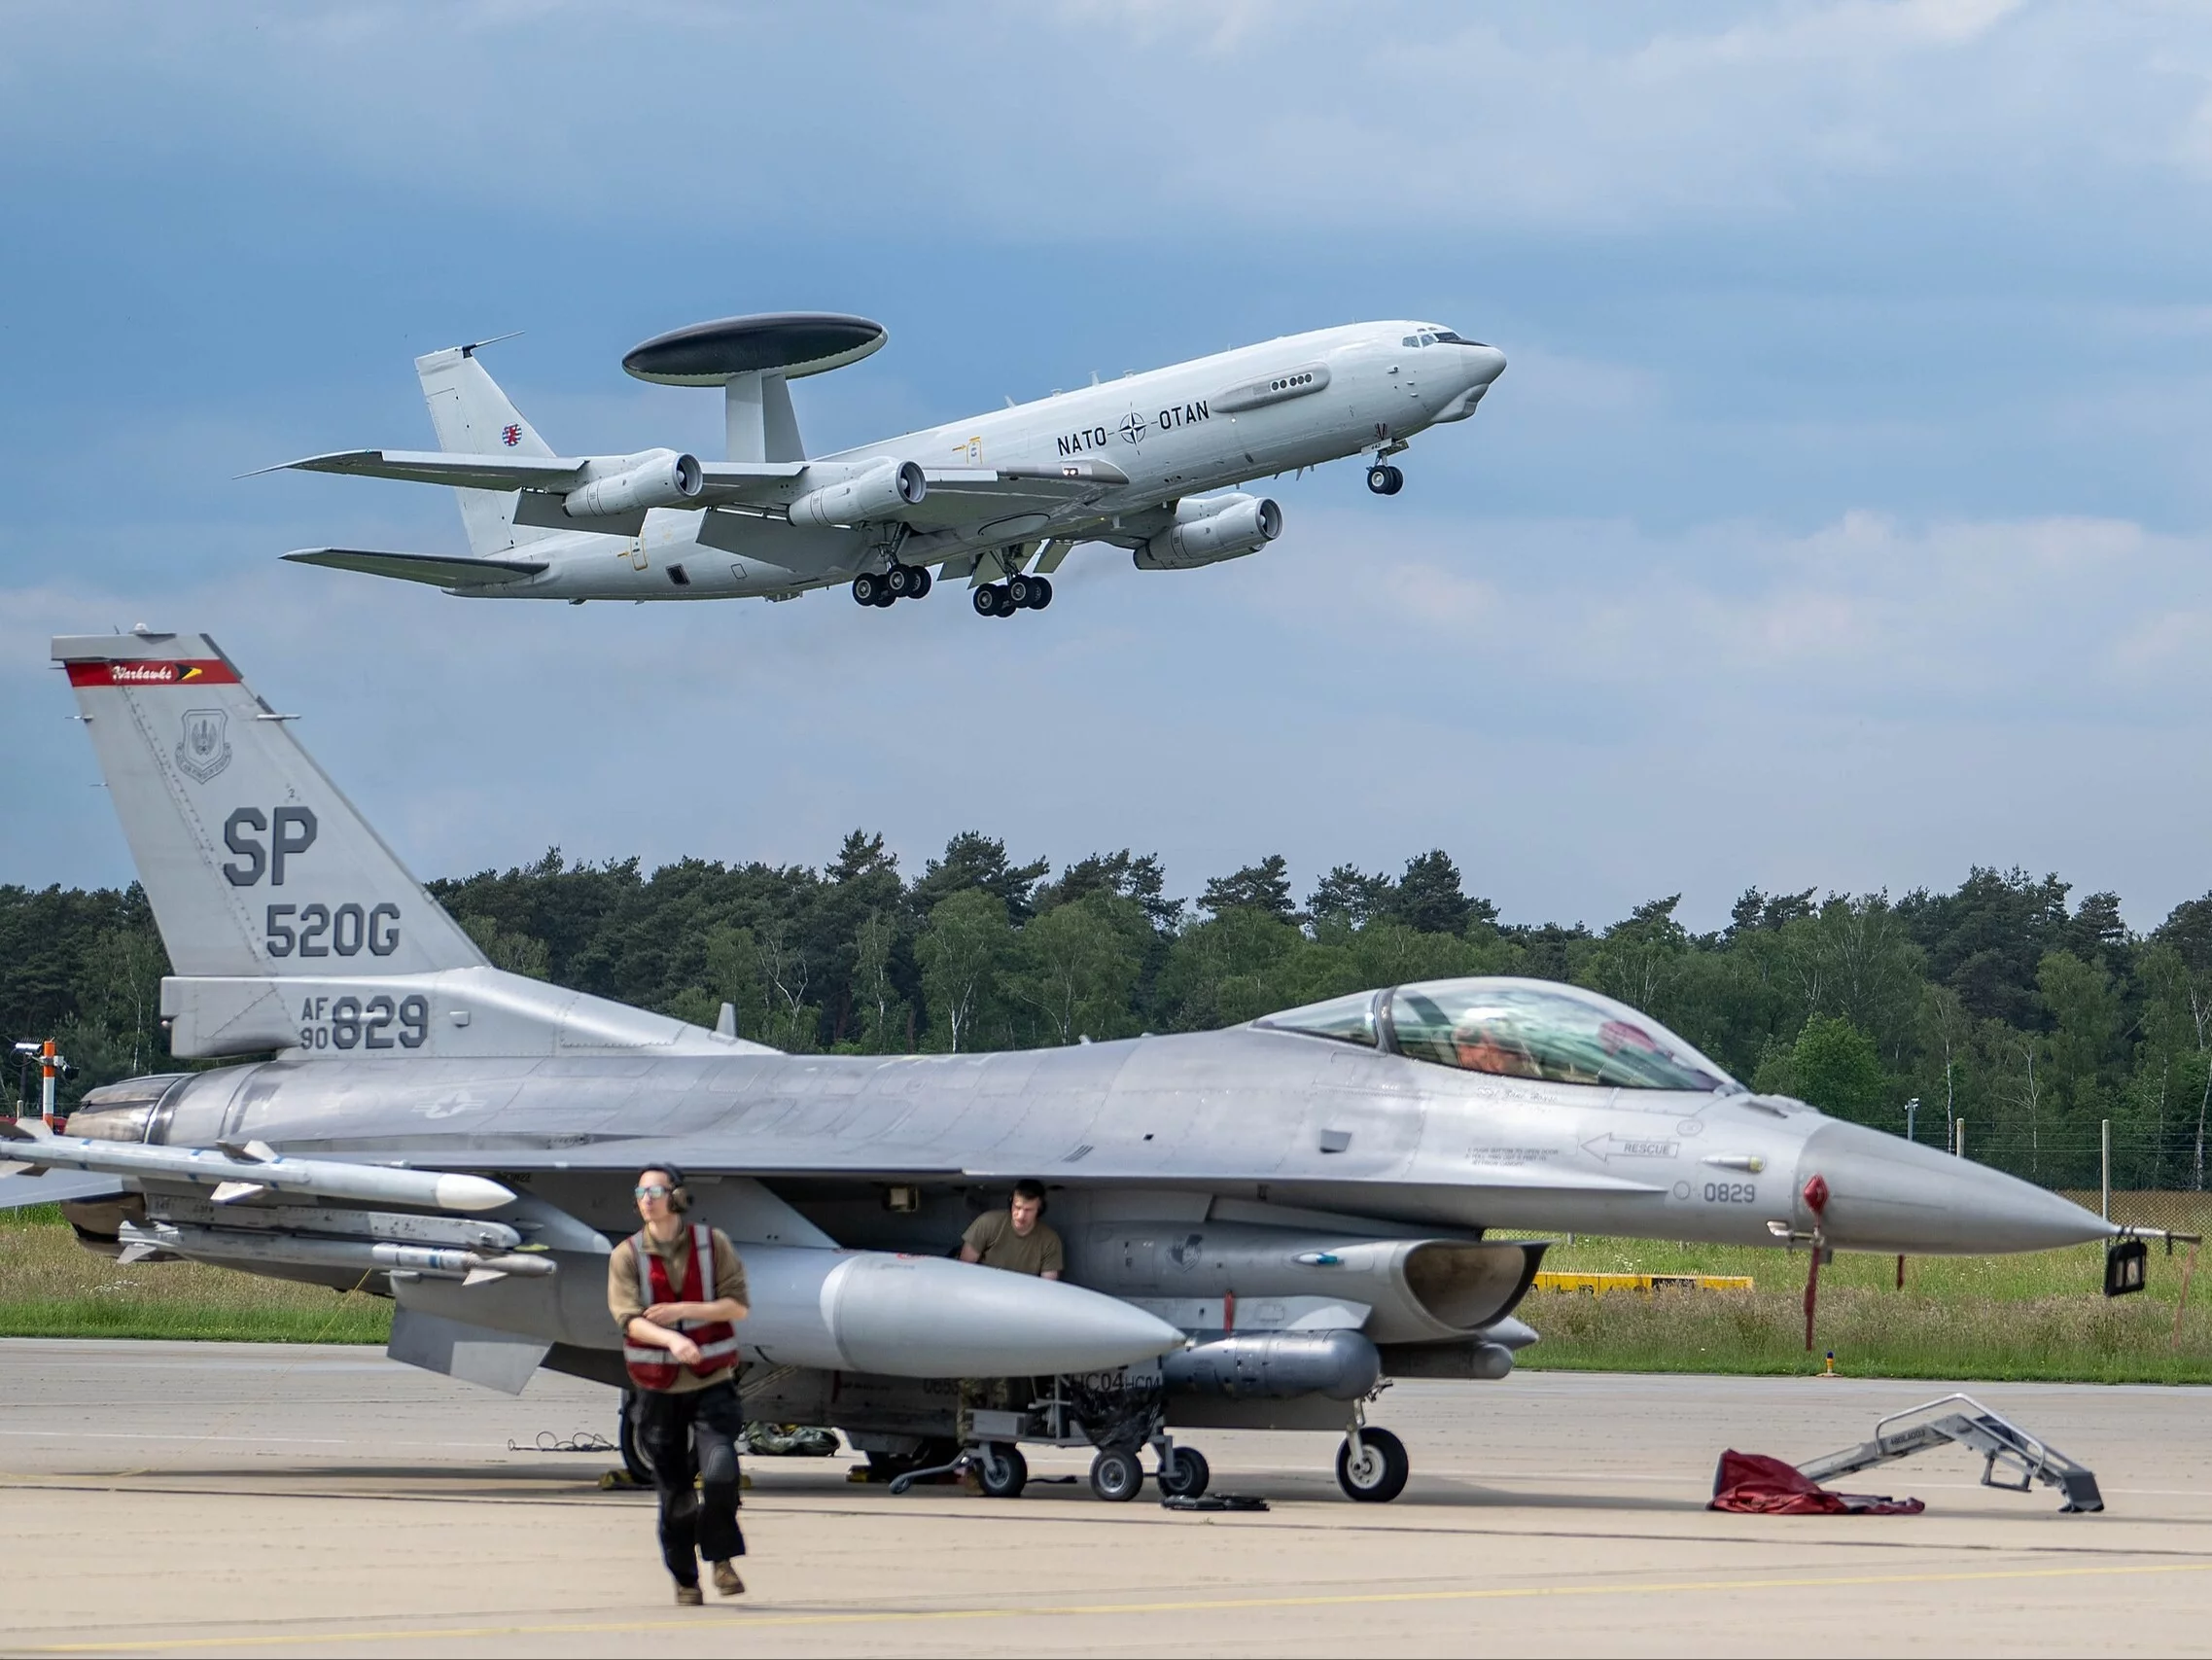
column 627, row 1298
column 993, row 1238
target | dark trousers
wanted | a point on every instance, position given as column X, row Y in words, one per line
column 694, row 1521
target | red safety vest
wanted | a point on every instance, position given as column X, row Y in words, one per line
column 657, row 1369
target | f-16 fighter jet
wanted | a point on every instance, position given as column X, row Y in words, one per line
column 1147, row 463
column 1262, row 1223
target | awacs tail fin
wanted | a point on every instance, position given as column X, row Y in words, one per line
column 253, row 861
column 473, row 417
column 290, row 925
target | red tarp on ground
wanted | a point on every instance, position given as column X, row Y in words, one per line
column 1759, row 1486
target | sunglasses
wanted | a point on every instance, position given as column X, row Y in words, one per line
column 654, row 1190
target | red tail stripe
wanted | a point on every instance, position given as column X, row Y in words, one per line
column 190, row 671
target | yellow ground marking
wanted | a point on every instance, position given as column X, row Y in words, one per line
column 1599, row 1283
column 1070, row 1610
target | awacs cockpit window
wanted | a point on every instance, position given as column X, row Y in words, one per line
column 1347, row 1019
column 1539, row 1030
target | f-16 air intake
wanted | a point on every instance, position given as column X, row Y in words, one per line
column 881, row 492
column 868, row 1311
column 657, row 478
column 1210, row 529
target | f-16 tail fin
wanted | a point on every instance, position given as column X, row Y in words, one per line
column 475, row 417
column 290, row 925
column 253, row 861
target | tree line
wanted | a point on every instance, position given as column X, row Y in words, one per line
column 2005, row 1003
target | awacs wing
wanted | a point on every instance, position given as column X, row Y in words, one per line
column 556, row 473
column 738, row 483
column 439, row 570
column 964, row 496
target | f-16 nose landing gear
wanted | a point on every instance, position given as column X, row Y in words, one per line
column 1015, row 593
column 1371, row 1466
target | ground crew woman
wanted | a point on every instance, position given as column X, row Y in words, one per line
column 679, row 1346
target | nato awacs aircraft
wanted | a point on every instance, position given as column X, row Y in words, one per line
column 1262, row 1223
column 1146, row 463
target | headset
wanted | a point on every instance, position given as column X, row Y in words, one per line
column 678, row 1194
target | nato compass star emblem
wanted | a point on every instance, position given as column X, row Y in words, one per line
column 204, row 748
column 511, row 437
column 1134, row 427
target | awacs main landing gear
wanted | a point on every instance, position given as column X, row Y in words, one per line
column 900, row 582
column 1015, row 593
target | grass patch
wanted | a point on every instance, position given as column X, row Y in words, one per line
column 52, row 1286
column 2038, row 1318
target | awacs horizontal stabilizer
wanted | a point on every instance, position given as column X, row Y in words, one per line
column 431, row 467
column 439, row 570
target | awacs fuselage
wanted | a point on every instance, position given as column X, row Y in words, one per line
column 1135, row 463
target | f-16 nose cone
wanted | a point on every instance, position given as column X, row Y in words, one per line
column 1889, row 1194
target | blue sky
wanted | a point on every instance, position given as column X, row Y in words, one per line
column 1841, row 518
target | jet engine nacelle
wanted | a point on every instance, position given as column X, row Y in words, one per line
column 1210, row 528
column 884, row 491
column 657, row 478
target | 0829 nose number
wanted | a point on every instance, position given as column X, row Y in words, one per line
column 1732, row 1193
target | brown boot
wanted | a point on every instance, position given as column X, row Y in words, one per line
column 689, row 1597
column 726, row 1580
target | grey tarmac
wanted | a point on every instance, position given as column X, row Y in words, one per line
column 191, row 1499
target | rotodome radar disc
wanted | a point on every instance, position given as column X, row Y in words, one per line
column 789, row 343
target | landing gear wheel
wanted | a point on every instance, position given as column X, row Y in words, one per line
column 1186, row 1477
column 1380, row 1473
column 1004, row 604
column 985, row 600
column 869, row 589
column 1001, row 1470
column 1019, row 589
column 1397, row 482
column 923, row 582
column 1379, row 478
column 899, row 580
column 626, row 1440
column 1040, row 593
column 1116, row 1475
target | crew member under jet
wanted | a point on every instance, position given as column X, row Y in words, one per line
column 679, row 1346
column 1017, row 1238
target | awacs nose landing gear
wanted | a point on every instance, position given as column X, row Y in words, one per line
column 1384, row 480
column 1016, row 593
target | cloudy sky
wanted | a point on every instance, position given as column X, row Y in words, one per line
column 1842, row 517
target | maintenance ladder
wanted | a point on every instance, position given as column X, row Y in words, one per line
column 1997, row 1440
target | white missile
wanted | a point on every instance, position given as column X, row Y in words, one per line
column 927, row 1317
column 255, row 1169
column 219, row 1245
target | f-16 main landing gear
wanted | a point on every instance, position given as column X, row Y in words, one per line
column 1015, row 593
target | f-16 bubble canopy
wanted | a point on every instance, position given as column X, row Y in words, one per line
column 1514, row 1028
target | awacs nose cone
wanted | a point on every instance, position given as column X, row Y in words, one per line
column 1889, row 1194
column 924, row 1317
column 1488, row 364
